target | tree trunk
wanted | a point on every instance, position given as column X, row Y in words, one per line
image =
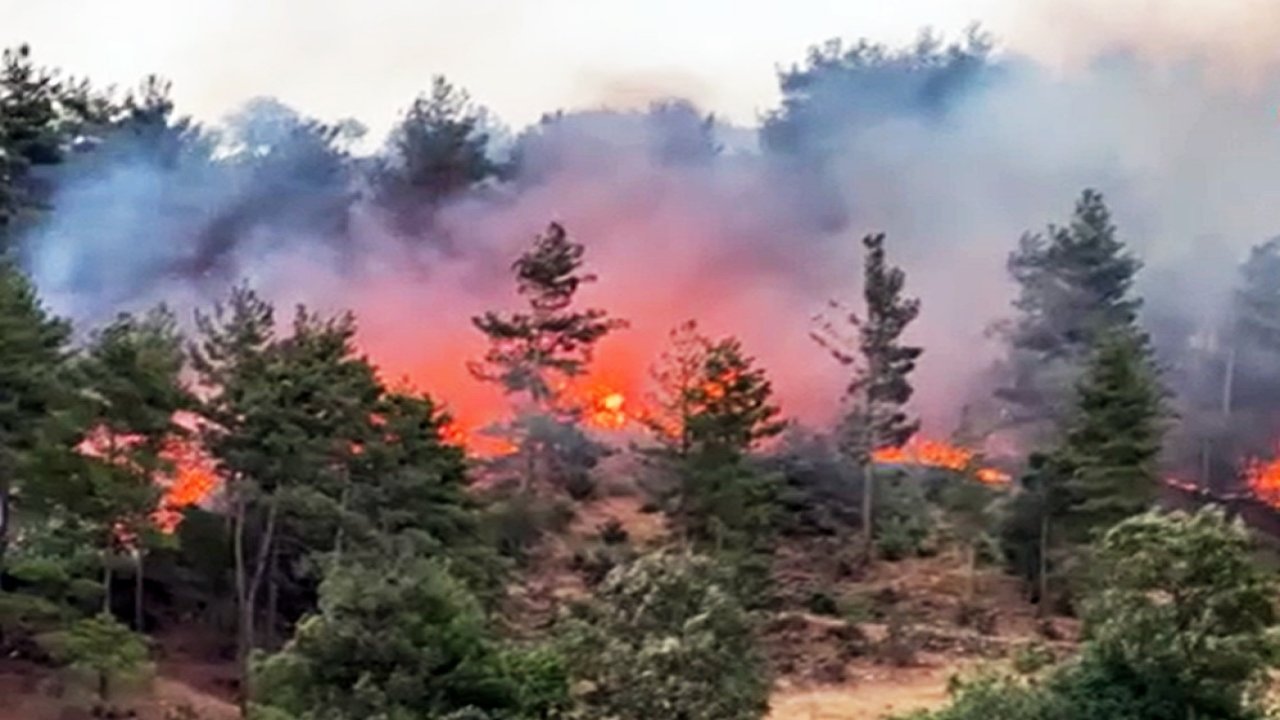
column 4, row 518
column 1043, row 569
column 273, row 599
column 868, row 492
column 106, row 583
column 244, row 625
column 137, row 592
column 971, row 578
column 249, row 595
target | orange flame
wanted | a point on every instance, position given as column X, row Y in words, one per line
column 193, row 479
column 1263, row 479
column 938, row 454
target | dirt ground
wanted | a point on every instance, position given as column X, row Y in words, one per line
column 876, row 694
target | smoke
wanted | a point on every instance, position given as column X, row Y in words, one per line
column 954, row 161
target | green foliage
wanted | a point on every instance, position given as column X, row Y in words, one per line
column 33, row 389
column 880, row 386
column 881, row 365
column 1075, row 288
column 1180, row 626
column 901, row 518
column 41, row 115
column 24, row 618
column 438, row 148
column 517, row 521
column 1182, row 605
column 991, row 697
column 1109, row 456
column 102, row 648
column 716, row 406
column 401, row 638
column 664, row 637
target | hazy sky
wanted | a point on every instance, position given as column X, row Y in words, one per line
column 368, row 58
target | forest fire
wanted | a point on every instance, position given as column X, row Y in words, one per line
column 937, row 454
column 193, row 479
column 1263, row 480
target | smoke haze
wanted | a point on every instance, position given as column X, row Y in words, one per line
column 953, row 165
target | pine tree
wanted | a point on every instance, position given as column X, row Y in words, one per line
column 680, row 369
column 131, row 373
column 1075, row 286
column 713, row 407
column 882, row 365
column 1108, row 458
column 528, row 351
column 438, row 149
column 534, row 355
column 29, row 134
column 42, row 116
column 33, row 385
column 288, row 414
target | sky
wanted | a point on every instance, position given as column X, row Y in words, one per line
column 520, row 58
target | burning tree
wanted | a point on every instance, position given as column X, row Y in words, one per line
column 882, row 365
column 536, row 354
column 288, row 417
column 132, row 372
column 712, row 406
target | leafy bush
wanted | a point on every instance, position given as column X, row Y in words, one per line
column 991, row 697
column 1032, row 657
column 519, row 521
column 23, row 618
column 901, row 518
column 665, row 638
column 1179, row 626
column 402, row 639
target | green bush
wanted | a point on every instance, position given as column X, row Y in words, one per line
column 665, row 638
column 23, row 618
column 901, row 518
column 1032, row 657
column 403, row 639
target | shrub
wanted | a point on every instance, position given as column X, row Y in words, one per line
column 1032, row 657
column 402, row 638
column 23, row 618
column 664, row 638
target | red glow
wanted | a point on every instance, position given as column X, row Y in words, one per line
column 937, row 454
column 1263, row 479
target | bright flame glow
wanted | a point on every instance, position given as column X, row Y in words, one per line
column 938, row 454
column 1263, row 479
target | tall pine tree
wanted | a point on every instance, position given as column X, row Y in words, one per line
column 438, row 149
column 1108, row 459
column 33, row 384
column 1075, row 286
column 131, row 374
column 880, row 387
column 534, row 352
column 534, row 355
